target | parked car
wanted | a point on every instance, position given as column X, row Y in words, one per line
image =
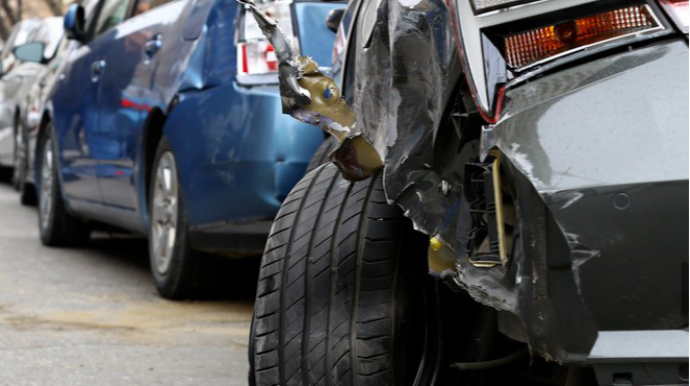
column 534, row 162
column 30, row 113
column 18, row 76
column 165, row 121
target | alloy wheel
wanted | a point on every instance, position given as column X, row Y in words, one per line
column 47, row 182
column 164, row 210
column 18, row 159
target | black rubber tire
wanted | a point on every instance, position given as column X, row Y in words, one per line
column 339, row 289
column 321, row 156
column 5, row 174
column 63, row 229
column 190, row 272
column 27, row 192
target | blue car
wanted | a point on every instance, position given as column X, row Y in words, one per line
column 165, row 120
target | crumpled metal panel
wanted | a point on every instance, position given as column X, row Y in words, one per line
column 310, row 96
column 560, row 136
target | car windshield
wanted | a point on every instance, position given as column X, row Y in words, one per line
column 49, row 32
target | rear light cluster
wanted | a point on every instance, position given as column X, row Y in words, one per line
column 504, row 43
column 255, row 55
column 532, row 47
column 678, row 11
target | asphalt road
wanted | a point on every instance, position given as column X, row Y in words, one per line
column 91, row 316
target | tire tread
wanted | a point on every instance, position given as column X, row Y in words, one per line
column 335, row 313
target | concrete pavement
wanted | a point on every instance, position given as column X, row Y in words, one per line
column 92, row 316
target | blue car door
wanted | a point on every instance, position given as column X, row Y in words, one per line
column 125, row 96
column 81, row 141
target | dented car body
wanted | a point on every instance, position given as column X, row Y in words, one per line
column 557, row 180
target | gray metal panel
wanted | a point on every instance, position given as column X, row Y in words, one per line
column 640, row 346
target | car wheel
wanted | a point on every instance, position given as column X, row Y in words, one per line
column 5, row 174
column 58, row 228
column 341, row 297
column 322, row 153
column 17, row 158
column 179, row 271
column 27, row 193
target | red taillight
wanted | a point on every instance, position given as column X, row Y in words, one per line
column 679, row 12
column 271, row 58
column 243, row 56
column 256, row 57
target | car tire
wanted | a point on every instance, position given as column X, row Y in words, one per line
column 16, row 156
column 57, row 227
column 5, row 174
column 179, row 271
column 321, row 156
column 27, row 192
column 341, row 288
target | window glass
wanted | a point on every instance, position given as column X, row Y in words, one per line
column 49, row 32
column 20, row 34
column 147, row 5
column 112, row 14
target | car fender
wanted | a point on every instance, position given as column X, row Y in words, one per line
column 603, row 145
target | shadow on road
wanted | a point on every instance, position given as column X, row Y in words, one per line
column 234, row 279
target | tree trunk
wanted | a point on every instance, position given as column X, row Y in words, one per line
column 4, row 30
column 55, row 7
column 9, row 12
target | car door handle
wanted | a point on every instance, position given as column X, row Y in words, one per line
column 97, row 68
column 153, row 45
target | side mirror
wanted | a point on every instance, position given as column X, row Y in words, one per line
column 30, row 52
column 74, row 22
column 334, row 18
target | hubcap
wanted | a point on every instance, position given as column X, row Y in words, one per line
column 17, row 150
column 46, row 199
column 164, row 212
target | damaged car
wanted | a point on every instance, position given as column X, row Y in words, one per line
column 164, row 120
column 507, row 202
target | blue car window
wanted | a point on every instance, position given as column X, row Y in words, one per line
column 113, row 13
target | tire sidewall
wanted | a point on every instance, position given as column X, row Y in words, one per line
column 47, row 231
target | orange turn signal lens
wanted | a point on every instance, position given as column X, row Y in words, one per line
column 532, row 47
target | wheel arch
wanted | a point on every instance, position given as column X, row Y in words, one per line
column 151, row 136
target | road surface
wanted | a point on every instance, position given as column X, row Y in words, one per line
column 91, row 316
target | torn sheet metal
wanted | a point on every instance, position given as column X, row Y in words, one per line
column 312, row 97
column 406, row 89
